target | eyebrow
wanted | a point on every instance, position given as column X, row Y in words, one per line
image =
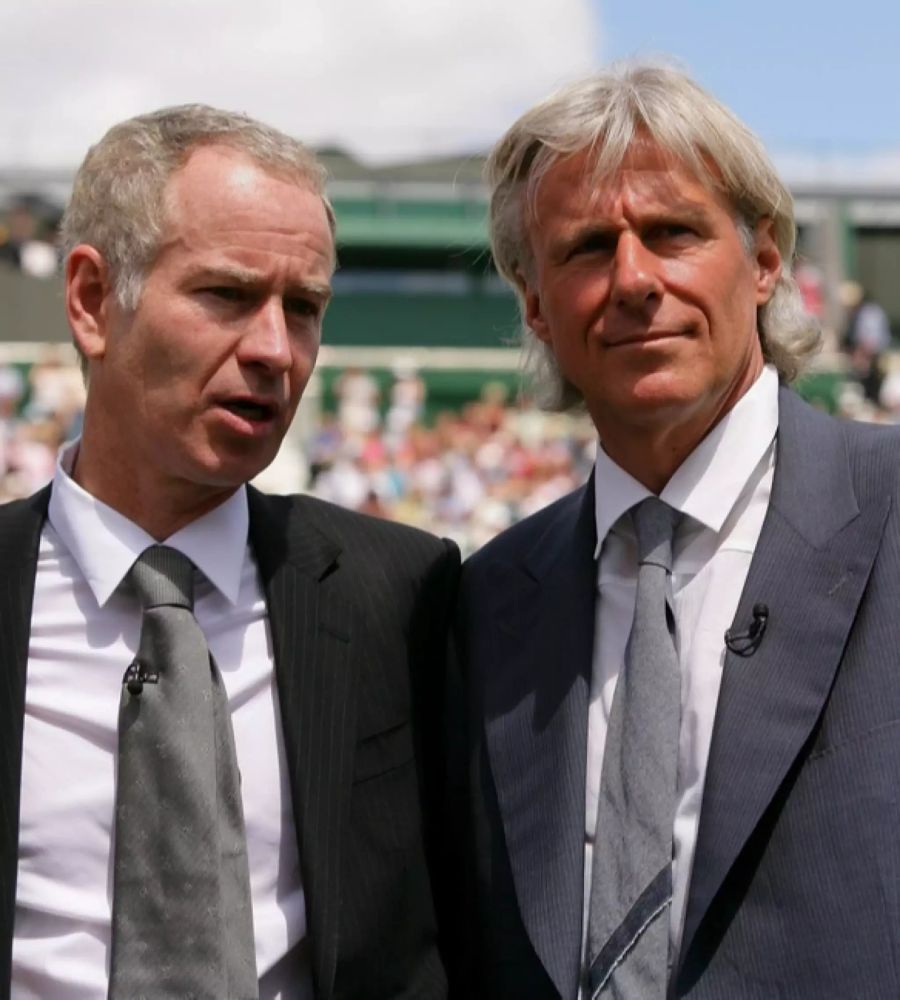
column 247, row 276
column 687, row 211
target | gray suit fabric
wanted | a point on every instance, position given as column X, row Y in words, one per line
column 795, row 890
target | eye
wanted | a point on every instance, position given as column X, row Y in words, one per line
column 593, row 243
column 226, row 293
column 663, row 231
column 300, row 306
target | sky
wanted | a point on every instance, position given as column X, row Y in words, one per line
column 399, row 79
column 809, row 76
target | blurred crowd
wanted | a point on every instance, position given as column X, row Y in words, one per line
column 40, row 408
column 468, row 476
column 465, row 474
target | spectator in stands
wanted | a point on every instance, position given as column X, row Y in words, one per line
column 358, row 398
column 26, row 247
column 866, row 338
column 12, row 387
column 55, row 389
column 406, row 398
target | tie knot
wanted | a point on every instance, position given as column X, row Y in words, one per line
column 654, row 525
column 163, row 576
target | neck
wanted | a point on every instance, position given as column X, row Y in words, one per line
column 647, row 458
column 652, row 452
column 159, row 507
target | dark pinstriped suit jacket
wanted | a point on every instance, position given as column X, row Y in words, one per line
column 358, row 611
column 795, row 891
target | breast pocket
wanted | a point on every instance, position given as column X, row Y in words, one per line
column 385, row 809
column 383, row 752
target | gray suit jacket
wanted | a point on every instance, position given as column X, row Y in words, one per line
column 796, row 881
column 358, row 610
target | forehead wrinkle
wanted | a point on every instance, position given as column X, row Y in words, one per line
column 642, row 155
column 649, row 191
column 245, row 275
column 180, row 226
column 253, row 277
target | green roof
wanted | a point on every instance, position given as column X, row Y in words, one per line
column 408, row 222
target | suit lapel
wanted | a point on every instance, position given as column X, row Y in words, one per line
column 20, row 532
column 316, row 688
column 536, row 699
column 811, row 564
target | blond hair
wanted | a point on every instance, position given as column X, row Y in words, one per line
column 605, row 113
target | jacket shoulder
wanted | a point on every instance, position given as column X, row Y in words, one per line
column 873, row 452
column 21, row 515
column 539, row 528
column 358, row 534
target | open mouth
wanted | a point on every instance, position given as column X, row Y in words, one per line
column 248, row 409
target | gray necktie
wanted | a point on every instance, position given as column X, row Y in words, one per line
column 631, row 885
column 182, row 919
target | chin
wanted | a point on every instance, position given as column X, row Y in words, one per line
column 228, row 472
column 662, row 388
column 649, row 403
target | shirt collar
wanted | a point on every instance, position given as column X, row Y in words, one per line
column 105, row 543
column 709, row 481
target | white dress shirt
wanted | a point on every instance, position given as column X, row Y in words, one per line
column 723, row 489
column 84, row 633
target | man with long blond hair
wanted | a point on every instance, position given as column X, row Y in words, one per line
column 681, row 686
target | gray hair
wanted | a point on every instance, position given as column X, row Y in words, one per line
column 118, row 203
column 606, row 113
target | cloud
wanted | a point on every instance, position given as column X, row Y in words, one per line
column 387, row 79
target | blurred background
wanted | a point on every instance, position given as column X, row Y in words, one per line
column 415, row 411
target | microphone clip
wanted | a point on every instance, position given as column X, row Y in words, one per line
column 746, row 643
column 136, row 677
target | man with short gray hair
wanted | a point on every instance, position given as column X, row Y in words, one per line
column 680, row 682
column 218, row 708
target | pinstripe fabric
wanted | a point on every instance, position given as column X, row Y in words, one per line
column 525, row 635
column 20, row 533
column 358, row 610
column 795, row 891
column 771, row 706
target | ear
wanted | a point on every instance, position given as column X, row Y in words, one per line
column 88, row 294
column 532, row 308
column 767, row 258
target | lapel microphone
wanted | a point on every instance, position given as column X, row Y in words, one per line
column 746, row 643
column 136, row 676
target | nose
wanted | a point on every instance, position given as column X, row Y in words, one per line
column 266, row 343
column 635, row 282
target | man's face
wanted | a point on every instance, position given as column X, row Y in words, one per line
column 205, row 375
column 642, row 288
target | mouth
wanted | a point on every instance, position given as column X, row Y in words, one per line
column 250, row 409
column 641, row 338
column 249, row 414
